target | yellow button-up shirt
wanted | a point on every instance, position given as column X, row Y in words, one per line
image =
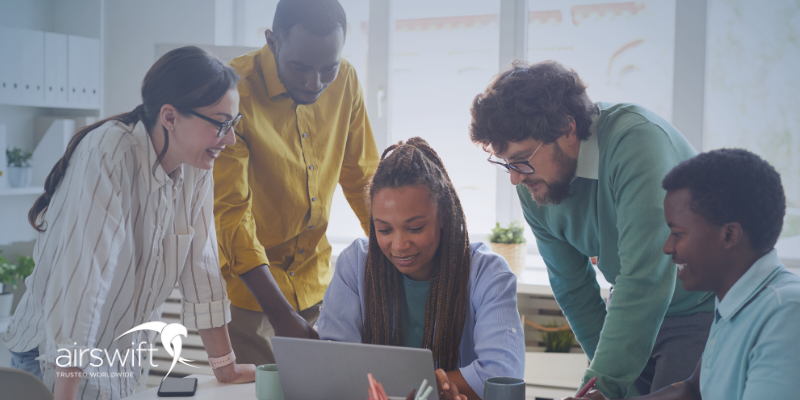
column 273, row 188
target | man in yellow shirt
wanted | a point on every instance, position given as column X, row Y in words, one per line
column 304, row 128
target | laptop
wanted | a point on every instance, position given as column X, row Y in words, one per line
column 323, row 370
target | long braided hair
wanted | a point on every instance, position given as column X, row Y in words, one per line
column 407, row 164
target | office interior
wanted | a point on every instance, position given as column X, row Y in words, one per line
column 724, row 72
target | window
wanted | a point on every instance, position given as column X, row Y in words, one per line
column 444, row 53
column 752, row 90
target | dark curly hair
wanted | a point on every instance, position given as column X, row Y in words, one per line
column 530, row 101
column 320, row 17
column 734, row 185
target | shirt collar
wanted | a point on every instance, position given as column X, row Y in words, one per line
column 159, row 177
column 589, row 153
column 270, row 71
column 749, row 285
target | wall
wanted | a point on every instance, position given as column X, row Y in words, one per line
column 132, row 29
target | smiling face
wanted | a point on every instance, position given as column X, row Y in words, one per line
column 696, row 246
column 408, row 229
column 194, row 141
column 307, row 63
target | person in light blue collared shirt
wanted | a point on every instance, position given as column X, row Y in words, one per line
column 419, row 282
column 725, row 211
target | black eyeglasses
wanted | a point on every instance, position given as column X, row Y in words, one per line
column 523, row 167
column 224, row 127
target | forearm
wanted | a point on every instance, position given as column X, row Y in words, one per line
column 464, row 388
column 218, row 344
column 266, row 291
column 68, row 380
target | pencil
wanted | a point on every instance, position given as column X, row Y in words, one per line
column 589, row 386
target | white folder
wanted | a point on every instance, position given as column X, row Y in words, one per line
column 55, row 68
column 92, row 61
column 10, row 58
column 52, row 135
column 76, row 70
column 32, row 66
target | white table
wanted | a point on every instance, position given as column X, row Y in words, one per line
column 209, row 389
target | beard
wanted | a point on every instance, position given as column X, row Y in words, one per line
column 557, row 190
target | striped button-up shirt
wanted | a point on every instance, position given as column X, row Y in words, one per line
column 119, row 236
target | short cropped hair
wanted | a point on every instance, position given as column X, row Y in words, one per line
column 530, row 102
column 734, row 185
column 320, row 17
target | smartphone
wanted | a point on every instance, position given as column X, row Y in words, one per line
column 177, row 387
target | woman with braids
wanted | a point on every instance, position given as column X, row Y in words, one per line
column 418, row 282
column 126, row 215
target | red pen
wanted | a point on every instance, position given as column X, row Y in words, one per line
column 589, row 386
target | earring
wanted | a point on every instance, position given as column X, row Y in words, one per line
column 172, row 127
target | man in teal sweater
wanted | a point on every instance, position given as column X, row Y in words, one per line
column 588, row 176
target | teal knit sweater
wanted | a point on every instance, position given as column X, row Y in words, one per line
column 618, row 217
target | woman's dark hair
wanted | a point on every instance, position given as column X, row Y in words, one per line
column 186, row 78
column 734, row 185
column 320, row 17
column 407, row 164
column 530, row 101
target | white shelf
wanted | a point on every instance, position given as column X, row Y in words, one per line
column 37, row 190
column 43, row 104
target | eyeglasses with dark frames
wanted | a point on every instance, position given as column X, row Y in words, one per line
column 224, row 126
column 523, row 167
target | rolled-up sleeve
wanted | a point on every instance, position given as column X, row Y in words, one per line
column 205, row 304
column 499, row 341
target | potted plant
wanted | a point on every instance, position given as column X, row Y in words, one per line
column 11, row 277
column 8, row 281
column 19, row 170
column 510, row 243
column 557, row 366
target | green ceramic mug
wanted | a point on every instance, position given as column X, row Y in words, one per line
column 268, row 386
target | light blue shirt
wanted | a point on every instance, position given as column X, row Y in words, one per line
column 492, row 343
column 753, row 349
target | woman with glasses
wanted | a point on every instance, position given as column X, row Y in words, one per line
column 419, row 282
column 127, row 215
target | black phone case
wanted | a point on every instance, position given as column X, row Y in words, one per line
column 178, row 394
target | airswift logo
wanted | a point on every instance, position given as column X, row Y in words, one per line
column 171, row 339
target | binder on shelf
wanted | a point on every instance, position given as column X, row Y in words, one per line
column 32, row 65
column 11, row 50
column 92, row 71
column 51, row 135
column 55, row 74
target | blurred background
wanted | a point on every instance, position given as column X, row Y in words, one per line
column 719, row 70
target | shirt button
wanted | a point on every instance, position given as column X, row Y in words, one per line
column 302, row 251
column 304, row 135
column 310, row 167
column 310, row 226
column 313, row 199
column 291, row 273
column 513, row 330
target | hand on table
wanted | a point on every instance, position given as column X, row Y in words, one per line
column 236, row 373
column 592, row 395
column 447, row 390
